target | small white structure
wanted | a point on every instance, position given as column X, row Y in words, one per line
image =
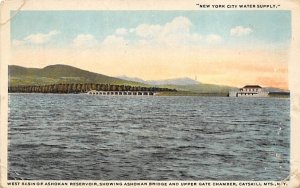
column 249, row 91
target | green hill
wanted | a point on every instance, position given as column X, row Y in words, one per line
column 56, row 74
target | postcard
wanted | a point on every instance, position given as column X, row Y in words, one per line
column 149, row 94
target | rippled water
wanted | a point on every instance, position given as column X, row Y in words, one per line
column 147, row 138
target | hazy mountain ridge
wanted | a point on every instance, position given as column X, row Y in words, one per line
column 133, row 79
column 174, row 81
column 274, row 90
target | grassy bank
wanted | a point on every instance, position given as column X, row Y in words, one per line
column 279, row 95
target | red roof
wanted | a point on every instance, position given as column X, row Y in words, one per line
column 252, row 86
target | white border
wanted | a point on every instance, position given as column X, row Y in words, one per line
column 294, row 70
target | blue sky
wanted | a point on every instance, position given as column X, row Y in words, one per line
column 266, row 26
column 219, row 47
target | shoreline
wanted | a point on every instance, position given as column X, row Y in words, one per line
column 166, row 94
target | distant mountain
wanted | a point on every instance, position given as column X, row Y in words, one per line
column 133, row 79
column 274, row 90
column 54, row 74
column 176, row 81
column 184, row 84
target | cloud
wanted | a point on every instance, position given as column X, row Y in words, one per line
column 114, row 41
column 213, row 39
column 84, row 41
column 37, row 39
column 239, row 31
column 121, row 31
column 178, row 32
column 40, row 38
column 177, row 25
column 174, row 33
column 147, row 31
column 132, row 30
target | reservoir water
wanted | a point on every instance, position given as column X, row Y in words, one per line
column 86, row 137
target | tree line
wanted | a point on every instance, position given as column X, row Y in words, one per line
column 81, row 88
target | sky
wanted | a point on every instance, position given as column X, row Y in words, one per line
column 232, row 48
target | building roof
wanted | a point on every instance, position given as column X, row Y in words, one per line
column 252, row 86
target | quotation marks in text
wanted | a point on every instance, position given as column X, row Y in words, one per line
column 223, row 6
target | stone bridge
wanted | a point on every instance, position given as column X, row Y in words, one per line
column 94, row 92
